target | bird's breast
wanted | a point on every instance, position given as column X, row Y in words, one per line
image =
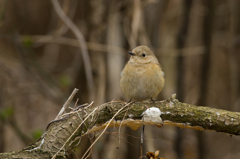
column 142, row 81
column 142, row 71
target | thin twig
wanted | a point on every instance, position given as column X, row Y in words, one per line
column 119, row 138
column 67, row 103
column 111, row 49
column 75, row 104
column 82, row 43
column 119, row 130
column 74, row 42
column 142, row 134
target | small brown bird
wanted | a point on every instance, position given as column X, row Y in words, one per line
column 142, row 78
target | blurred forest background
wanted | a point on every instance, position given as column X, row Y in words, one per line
column 44, row 55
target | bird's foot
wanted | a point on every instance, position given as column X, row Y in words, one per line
column 152, row 100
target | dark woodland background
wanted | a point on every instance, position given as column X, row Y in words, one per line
column 197, row 43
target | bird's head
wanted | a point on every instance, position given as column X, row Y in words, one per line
column 142, row 55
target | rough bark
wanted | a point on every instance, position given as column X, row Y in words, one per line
column 174, row 113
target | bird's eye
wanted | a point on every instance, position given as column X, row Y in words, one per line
column 143, row 55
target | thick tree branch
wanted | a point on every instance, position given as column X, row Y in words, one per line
column 174, row 112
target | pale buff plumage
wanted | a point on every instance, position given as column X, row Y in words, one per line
column 142, row 77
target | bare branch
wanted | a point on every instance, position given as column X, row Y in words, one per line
column 59, row 136
column 82, row 43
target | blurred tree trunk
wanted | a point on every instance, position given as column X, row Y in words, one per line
column 2, row 134
column 206, row 63
column 180, row 43
column 115, row 61
column 115, row 58
column 233, row 55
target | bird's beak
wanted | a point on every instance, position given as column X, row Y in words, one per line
column 131, row 53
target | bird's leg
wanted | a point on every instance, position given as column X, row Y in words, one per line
column 153, row 100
